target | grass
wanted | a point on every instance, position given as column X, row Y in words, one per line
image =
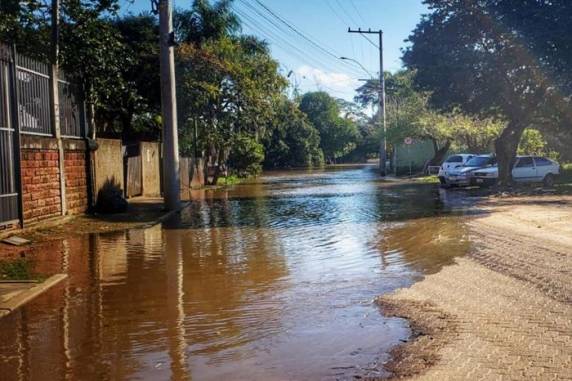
column 432, row 179
column 565, row 174
column 19, row 269
column 228, row 180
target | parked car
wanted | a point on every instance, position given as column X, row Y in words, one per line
column 451, row 163
column 463, row 175
column 527, row 169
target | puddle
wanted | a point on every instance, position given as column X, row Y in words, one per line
column 266, row 281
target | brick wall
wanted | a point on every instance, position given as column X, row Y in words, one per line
column 40, row 180
column 76, row 176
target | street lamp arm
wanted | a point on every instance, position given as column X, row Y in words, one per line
column 358, row 63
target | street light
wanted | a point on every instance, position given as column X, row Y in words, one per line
column 360, row 65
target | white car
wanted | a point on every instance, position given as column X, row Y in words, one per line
column 531, row 169
column 452, row 162
column 463, row 175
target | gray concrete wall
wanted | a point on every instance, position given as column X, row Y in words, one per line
column 108, row 163
column 151, row 166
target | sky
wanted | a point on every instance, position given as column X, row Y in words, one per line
column 310, row 50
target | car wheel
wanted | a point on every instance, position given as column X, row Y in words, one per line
column 548, row 180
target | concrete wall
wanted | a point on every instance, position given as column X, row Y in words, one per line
column 151, row 167
column 108, row 163
column 197, row 173
column 412, row 156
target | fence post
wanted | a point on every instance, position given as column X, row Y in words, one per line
column 15, row 120
column 55, row 103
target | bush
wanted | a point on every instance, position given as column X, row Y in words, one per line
column 246, row 156
column 19, row 269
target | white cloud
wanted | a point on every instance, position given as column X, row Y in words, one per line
column 338, row 85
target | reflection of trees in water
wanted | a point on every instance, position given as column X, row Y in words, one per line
column 229, row 273
column 424, row 244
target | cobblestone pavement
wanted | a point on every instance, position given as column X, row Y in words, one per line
column 503, row 313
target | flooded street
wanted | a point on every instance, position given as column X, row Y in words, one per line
column 266, row 281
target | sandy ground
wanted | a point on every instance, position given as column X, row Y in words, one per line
column 503, row 312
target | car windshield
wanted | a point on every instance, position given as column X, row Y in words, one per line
column 455, row 159
column 480, row 161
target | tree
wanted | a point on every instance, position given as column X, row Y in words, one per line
column 91, row 53
column 291, row 141
column 139, row 109
column 205, row 21
column 26, row 23
column 337, row 135
column 495, row 59
column 246, row 156
column 228, row 84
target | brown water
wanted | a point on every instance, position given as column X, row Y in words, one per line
column 267, row 281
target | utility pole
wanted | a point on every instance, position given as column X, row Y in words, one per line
column 383, row 145
column 171, row 183
column 55, row 100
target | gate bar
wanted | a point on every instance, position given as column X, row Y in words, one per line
column 16, row 139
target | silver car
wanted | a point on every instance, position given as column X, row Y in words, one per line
column 531, row 169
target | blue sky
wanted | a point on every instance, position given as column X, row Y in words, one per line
column 325, row 23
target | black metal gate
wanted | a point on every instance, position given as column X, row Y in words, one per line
column 9, row 198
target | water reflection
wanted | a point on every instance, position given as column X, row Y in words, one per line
column 271, row 280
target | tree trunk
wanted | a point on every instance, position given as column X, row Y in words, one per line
column 440, row 153
column 218, row 167
column 506, row 146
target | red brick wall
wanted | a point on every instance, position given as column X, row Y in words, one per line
column 76, row 181
column 40, row 183
column 41, row 179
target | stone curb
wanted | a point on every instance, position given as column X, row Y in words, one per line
column 25, row 296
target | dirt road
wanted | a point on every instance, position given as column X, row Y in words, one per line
column 503, row 312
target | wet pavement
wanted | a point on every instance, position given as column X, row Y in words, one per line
column 266, row 281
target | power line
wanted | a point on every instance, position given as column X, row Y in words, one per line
column 346, row 12
column 287, row 32
column 278, row 39
column 295, row 30
column 357, row 11
column 334, row 11
column 370, row 41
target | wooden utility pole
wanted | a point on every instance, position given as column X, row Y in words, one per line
column 171, row 185
column 383, row 144
column 55, row 100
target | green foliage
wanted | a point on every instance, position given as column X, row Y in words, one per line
column 227, row 86
column 498, row 59
column 533, row 142
column 565, row 174
column 228, row 180
column 205, row 21
column 291, row 141
column 246, row 156
column 19, row 269
column 338, row 135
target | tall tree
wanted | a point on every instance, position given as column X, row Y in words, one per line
column 480, row 57
column 291, row 141
column 338, row 135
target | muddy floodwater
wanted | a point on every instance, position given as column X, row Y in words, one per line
column 266, row 281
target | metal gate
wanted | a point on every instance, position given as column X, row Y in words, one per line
column 9, row 198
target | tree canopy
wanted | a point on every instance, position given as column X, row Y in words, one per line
column 337, row 134
column 492, row 58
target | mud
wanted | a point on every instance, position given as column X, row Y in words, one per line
column 504, row 311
